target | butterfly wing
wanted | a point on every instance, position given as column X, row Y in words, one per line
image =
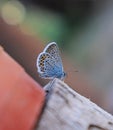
column 47, row 66
column 53, row 50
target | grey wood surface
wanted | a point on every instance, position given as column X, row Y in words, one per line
column 65, row 109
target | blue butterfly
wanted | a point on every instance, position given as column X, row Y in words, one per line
column 49, row 63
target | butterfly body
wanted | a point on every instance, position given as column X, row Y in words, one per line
column 49, row 63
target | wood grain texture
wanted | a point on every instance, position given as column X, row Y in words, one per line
column 67, row 110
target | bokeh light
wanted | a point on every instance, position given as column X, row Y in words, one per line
column 13, row 12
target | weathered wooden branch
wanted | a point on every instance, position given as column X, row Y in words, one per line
column 67, row 110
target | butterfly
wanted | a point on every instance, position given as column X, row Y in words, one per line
column 49, row 63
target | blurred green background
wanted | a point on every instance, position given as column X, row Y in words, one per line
column 83, row 30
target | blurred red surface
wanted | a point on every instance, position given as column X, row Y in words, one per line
column 21, row 98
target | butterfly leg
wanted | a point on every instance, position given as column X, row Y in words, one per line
column 48, row 88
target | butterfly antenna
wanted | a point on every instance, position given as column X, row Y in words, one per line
column 72, row 71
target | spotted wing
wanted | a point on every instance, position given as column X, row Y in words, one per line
column 47, row 66
column 53, row 50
